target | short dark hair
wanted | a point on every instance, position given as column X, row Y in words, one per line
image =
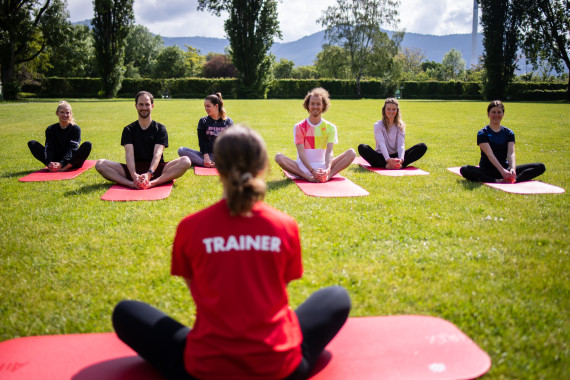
column 496, row 103
column 140, row 93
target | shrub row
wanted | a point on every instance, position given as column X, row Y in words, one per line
column 441, row 90
column 295, row 88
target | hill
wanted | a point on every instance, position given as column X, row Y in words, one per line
column 304, row 50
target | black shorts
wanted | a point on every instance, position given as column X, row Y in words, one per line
column 142, row 167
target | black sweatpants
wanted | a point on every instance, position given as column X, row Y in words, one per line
column 161, row 340
column 377, row 160
column 525, row 172
column 77, row 159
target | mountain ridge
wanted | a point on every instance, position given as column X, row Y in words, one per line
column 304, row 50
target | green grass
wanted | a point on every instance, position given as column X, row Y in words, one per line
column 495, row 264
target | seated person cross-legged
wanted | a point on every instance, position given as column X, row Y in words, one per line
column 62, row 151
column 314, row 139
column 390, row 134
column 237, row 272
column 497, row 144
column 144, row 141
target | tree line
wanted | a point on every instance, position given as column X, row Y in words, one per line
column 36, row 39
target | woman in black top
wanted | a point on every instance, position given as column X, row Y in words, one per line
column 209, row 127
column 497, row 144
column 62, row 151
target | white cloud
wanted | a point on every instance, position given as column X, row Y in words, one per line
column 298, row 18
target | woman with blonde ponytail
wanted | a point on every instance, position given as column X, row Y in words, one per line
column 237, row 257
column 62, row 150
column 209, row 128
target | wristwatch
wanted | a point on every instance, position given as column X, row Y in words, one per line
column 151, row 171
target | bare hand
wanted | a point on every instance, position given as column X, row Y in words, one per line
column 394, row 164
column 321, row 175
column 141, row 182
column 54, row 166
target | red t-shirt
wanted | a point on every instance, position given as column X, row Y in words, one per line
column 238, row 269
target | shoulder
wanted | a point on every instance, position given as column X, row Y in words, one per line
column 52, row 127
column 131, row 126
column 507, row 131
column 202, row 216
column 228, row 121
column 203, row 120
column 159, row 126
column 328, row 123
column 379, row 125
column 483, row 131
column 274, row 215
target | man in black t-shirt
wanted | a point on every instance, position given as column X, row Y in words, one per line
column 144, row 141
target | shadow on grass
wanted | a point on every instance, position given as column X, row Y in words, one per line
column 88, row 189
column 18, row 174
column 280, row 184
column 469, row 185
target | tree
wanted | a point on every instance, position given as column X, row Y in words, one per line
column 219, row 66
column 111, row 22
column 332, row 62
column 194, row 61
column 545, row 34
column 501, row 20
column 27, row 27
column 454, row 64
column 283, row 69
column 355, row 25
column 171, row 63
column 305, row 72
column 75, row 57
column 251, row 28
column 410, row 62
column 141, row 50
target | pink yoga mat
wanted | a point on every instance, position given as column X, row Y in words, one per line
column 46, row 175
column 410, row 170
column 338, row 186
column 198, row 170
column 121, row 193
column 527, row 187
column 366, row 348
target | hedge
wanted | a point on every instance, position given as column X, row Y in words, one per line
column 296, row 88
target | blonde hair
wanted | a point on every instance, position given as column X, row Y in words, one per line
column 319, row 91
column 397, row 119
column 241, row 157
column 62, row 104
column 216, row 99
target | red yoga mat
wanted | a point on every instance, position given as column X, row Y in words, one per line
column 407, row 171
column 46, row 175
column 527, row 187
column 198, row 170
column 366, row 348
column 337, row 186
column 121, row 193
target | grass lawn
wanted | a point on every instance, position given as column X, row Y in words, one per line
column 495, row 264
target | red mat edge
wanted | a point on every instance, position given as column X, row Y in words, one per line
column 88, row 164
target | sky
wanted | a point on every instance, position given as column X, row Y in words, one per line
column 297, row 18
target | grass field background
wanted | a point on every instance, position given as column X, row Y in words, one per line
column 495, row 264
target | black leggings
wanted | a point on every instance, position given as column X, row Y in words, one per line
column 377, row 160
column 524, row 172
column 161, row 340
column 77, row 158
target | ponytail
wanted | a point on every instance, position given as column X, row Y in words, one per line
column 216, row 99
column 241, row 157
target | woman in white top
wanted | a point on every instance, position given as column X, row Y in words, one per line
column 389, row 133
